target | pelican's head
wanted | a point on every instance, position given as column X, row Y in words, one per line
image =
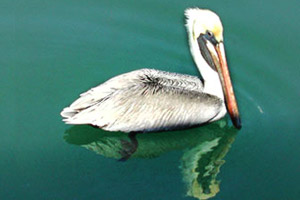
column 202, row 21
column 205, row 33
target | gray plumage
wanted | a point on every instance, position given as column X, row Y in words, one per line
column 145, row 100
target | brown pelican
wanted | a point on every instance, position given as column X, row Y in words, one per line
column 151, row 100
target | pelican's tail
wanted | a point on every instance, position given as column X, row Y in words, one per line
column 69, row 116
column 68, row 113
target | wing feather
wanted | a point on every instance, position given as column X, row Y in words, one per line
column 144, row 100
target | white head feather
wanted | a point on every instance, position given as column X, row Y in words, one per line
column 200, row 20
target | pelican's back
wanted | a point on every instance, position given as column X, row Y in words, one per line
column 144, row 100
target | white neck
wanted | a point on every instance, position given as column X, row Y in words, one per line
column 212, row 82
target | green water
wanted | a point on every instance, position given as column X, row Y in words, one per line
column 51, row 51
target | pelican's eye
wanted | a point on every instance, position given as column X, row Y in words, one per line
column 209, row 33
column 211, row 37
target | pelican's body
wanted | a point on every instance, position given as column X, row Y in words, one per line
column 149, row 99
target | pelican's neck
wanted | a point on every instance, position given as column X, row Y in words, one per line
column 212, row 82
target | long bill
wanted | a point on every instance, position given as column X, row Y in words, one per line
column 224, row 75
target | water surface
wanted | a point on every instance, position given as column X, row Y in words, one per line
column 51, row 51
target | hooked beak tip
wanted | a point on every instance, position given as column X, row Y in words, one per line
column 237, row 122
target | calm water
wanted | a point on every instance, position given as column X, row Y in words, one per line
column 51, row 51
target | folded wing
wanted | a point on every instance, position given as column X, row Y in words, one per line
column 144, row 100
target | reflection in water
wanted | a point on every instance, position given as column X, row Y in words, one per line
column 204, row 148
column 201, row 164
